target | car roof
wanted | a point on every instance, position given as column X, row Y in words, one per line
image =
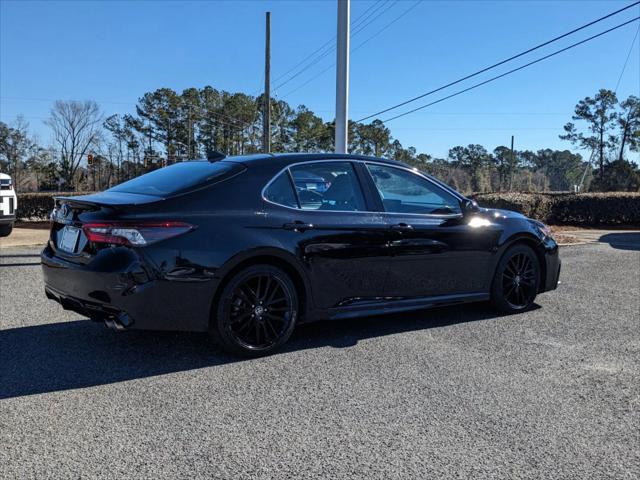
column 284, row 159
column 281, row 160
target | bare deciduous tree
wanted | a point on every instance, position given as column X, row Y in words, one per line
column 76, row 129
column 14, row 148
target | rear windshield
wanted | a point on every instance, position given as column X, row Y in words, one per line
column 178, row 177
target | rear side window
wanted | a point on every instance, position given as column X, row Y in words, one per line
column 328, row 186
column 179, row 177
column 280, row 191
column 318, row 186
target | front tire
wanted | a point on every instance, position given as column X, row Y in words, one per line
column 516, row 280
column 256, row 312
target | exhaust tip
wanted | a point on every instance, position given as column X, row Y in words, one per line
column 120, row 322
column 124, row 321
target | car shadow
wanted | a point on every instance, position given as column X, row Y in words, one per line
column 77, row 354
column 622, row 240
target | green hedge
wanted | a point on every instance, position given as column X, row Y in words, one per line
column 38, row 206
column 583, row 209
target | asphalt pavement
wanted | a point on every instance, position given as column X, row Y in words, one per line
column 460, row 392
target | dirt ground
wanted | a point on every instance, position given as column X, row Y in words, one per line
column 22, row 237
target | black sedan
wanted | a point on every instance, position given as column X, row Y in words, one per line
column 238, row 248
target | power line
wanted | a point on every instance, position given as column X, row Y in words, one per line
column 290, row 92
column 386, row 26
column 325, row 49
column 333, row 39
column 357, row 47
column 330, row 50
column 627, row 60
column 238, row 123
column 363, row 25
column 499, row 63
column 511, row 71
column 330, row 43
column 473, row 113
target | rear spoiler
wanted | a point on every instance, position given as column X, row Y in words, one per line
column 109, row 199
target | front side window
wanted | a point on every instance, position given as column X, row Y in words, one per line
column 402, row 191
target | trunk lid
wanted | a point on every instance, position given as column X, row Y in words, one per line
column 67, row 238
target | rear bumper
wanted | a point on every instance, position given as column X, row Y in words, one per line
column 119, row 286
column 113, row 317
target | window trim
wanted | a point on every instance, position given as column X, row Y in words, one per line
column 365, row 192
column 292, row 184
column 310, row 162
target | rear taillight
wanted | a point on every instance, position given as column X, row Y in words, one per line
column 135, row 234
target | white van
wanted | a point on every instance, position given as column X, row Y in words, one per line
column 8, row 205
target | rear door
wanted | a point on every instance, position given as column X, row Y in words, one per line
column 433, row 249
column 318, row 210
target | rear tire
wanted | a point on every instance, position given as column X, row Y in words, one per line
column 5, row 230
column 516, row 280
column 256, row 311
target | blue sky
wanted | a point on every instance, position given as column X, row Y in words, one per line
column 114, row 51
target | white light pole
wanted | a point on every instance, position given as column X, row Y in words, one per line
column 342, row 76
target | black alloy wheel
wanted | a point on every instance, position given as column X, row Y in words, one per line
column 257, row 311
column 516, row 281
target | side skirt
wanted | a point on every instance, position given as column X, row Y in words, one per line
column 383, row 306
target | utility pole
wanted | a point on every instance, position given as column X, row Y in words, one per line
column 189, row 146
column 512, row 166
column 342, row 76
column 266, row 124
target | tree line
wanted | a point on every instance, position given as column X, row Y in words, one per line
column 92, row 151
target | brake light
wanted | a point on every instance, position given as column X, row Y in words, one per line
column 135, row 234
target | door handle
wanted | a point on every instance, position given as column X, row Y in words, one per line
column 298, row 226
column 402, row 227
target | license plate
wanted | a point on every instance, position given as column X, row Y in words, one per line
column 69, row 239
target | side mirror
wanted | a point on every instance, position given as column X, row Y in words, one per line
column 470, row 206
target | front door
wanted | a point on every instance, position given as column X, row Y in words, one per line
column 433, row 249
